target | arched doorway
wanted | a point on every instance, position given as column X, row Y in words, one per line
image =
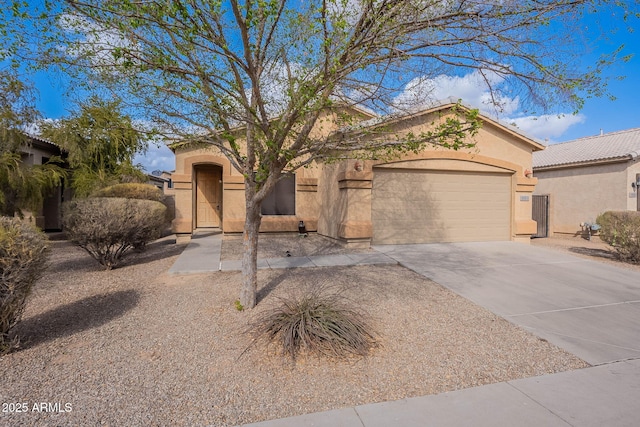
column 208, row 192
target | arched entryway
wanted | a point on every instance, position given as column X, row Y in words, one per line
column 208, row 196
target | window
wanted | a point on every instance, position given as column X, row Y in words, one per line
column 282, row 199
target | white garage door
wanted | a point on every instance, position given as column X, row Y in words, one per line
column 417, row 206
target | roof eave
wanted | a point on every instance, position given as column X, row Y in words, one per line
column 449, row 104
column 612, row 160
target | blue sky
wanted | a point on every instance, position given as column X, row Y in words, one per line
column 597, row 114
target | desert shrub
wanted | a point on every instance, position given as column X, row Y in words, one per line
column 317, row 321
column 138, row 191
column 108, row 227
column 132, row 191
column 23, row 257
column 621, row 229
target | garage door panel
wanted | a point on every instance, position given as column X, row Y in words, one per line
column 436, row 206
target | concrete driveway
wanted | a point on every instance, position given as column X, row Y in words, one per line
column 588, row 308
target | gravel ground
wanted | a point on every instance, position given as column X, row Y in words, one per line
column 136, row 346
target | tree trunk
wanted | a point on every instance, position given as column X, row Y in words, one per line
column 249, row 289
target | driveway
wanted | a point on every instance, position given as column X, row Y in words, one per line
column 588, row 308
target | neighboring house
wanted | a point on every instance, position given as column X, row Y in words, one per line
column 37, row 152
column 162, row 180
column 588, row 176
column 438, row 195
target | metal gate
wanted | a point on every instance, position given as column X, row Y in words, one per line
column 540, row 214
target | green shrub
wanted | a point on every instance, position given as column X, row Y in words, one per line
column 23, row 257
column 317, row 321
column 138, row 191
column 621, row 229
column 108, row 227
column 132, row 191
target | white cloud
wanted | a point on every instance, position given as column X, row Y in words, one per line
column 157, row 157
column 347, row 10
column 547, row 127
column 93, row 41
column 474, row 90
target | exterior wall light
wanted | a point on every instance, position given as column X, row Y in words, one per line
column 302, row 229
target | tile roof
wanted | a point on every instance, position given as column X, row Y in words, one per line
column 609, row 146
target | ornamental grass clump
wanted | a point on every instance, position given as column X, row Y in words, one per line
column 109, row 227
column 621, row 230
column 317, row 321
column 23, row 260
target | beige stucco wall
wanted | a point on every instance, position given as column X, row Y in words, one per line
column 335, row 199
column 580, row 194
column 233, row 201
column 632, row 197
column 348, row 185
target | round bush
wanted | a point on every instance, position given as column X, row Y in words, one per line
column 138, row 191
column 108, row 227
column 132, row 191
column 23, row 257
column 621, row 229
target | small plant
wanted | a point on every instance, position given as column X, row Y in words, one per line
column 622, row 231
column 108, row 227
column 318, row 321
column 23, row 259
column 238, row 305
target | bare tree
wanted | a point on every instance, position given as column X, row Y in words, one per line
column 252, row 78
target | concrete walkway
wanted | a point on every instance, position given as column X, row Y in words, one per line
column 202, row 255
column 588, row 308
column 605, row 395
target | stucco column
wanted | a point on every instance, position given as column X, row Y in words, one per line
column 182, row 225
column 524, row 226
column 355, row 185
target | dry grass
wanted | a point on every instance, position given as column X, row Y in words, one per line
column 317, row 320
column 136, row 346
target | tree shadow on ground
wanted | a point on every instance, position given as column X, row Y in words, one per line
column 594, row 252
column 331, row 279
column 265, row 290
column 155, row 251
column 78, row 316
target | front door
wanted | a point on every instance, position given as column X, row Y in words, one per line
column 208, row 197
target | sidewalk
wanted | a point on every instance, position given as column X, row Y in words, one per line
column 604, row 395
column 202, row 255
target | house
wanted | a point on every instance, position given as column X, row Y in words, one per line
column 38, row 151
column 162, row 180
column 437, row 195
column 588, row 176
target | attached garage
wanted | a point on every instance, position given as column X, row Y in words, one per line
column 428, row 206
column 430, row 195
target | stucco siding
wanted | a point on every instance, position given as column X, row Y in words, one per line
column 581, row 194
column 337, row 199
column 632, row 197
